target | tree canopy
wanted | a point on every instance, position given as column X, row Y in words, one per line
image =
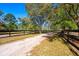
column 59, row 16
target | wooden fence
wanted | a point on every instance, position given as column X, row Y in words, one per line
column 71, row 37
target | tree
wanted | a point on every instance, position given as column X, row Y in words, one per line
column 38, row 21
column 27, row 24
column 72, row 10
column 1, row 21
column 39, row 13
column 10, row 22
column 1, row 12
column 55, row 14
column 63, row 19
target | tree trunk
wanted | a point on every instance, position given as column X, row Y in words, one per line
column 40, row 31
column 24, row 32
column 77, row 22
column 9, row 33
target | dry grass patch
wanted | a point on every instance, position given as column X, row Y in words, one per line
column 15, row 38
column 54, row 48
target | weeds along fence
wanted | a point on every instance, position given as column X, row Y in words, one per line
column 71, row 38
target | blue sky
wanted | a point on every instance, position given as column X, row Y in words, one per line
column 17, row 9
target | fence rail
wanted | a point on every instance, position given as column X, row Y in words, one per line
column 71, row 39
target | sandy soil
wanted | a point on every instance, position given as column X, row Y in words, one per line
column 22, row 47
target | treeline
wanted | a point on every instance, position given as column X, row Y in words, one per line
column 43, row 16
column 9, row 23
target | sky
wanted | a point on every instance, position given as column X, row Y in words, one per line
column 55, row 5
column 17, row 9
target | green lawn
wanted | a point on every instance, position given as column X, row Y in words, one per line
column 54, row 48
column 15, row 38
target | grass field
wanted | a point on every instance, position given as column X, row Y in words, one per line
column 15, row 38
column 54, row 48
